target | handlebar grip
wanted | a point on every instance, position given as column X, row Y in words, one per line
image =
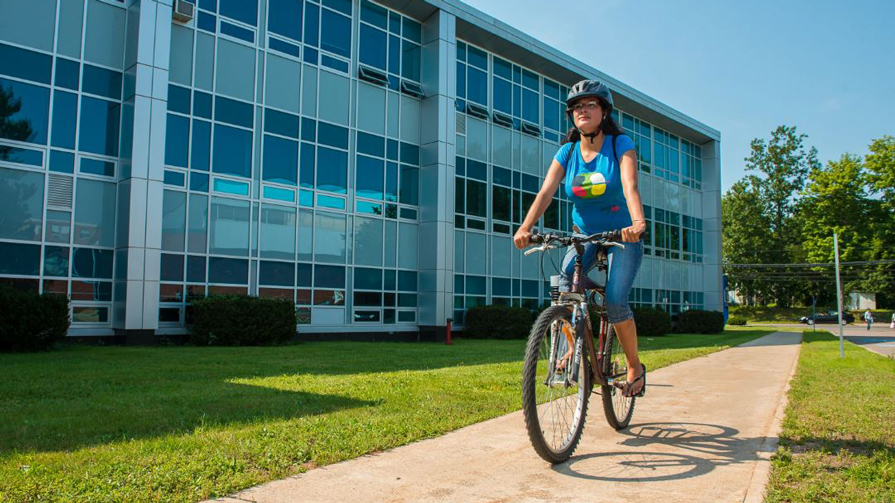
column 536, row 239
column 615, row 235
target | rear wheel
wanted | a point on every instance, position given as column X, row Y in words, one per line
column 554, row 409
column 618, row 408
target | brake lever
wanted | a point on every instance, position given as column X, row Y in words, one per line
column 614, row 243
column 535, row 249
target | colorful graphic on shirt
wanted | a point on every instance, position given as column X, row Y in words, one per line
column 589, row 186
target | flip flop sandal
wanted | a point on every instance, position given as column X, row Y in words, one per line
column 630, row 385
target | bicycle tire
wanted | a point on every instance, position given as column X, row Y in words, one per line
column 618, row 409
column 532, row 382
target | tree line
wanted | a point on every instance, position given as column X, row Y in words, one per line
column 782, row 216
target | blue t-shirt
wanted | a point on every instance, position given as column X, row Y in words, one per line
column 595, row 187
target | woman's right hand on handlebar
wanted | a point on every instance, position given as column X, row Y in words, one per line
column 522, row 238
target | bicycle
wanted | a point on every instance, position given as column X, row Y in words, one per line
column 562, row 363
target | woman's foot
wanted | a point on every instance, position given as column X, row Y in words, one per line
column 636, row 382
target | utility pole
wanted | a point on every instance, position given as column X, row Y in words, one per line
column 838, row 295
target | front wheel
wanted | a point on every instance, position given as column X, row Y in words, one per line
column 554, row 407
column 618, row 408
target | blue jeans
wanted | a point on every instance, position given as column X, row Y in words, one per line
column 623, row 267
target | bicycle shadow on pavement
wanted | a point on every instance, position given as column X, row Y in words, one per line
column 665, row 451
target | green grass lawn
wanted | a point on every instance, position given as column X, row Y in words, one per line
column 187, row 423
column 838, row 440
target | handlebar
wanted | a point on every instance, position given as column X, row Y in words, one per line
column 547, row 241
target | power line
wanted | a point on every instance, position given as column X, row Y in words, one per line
column 810, row 264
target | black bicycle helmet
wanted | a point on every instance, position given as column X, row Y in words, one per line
column 589, row 89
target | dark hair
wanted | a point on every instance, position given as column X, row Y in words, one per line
column 608, row 126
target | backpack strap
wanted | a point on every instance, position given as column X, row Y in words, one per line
column 614, row 152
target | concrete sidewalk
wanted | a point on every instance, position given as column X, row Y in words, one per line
column 704, row 432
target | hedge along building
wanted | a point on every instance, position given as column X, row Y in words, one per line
column 367, row 161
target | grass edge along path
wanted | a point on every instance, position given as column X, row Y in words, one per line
column 838, row 438
column 185, row 424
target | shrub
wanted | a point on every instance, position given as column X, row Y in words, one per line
column 498, row 322
column 695, row 321
column 31, row 322
column 651, row 321
column 736, row 320
column 241, row 320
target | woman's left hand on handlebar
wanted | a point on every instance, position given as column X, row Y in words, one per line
column 632, row 234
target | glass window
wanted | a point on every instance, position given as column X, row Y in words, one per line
column 283, row 82
column 65, row 115
column 370, row 180
column 277, row 232
column 62, row 162
column 102, row 82
column 336, row 33
column 329, row 276
column 171, row 267
column 367, row 279
column 530, row 106
column 24, row 64
column 232, row 112
column 16, row 258
column 367, row 241
column 173, row 220
column 410, row 185
column 58, row 228
column 374, row 14
column 228, row 270
column 195, row 269
column 412, row 30
column 56, row 261
column 202, row 104
column 332, row 170
column 407, row 281
column 370, row 144
column 410, row 61
column 201, row 153
column 21, row 204
column 97, row 167
column 408, row 246
column 281, row 123
column 331, row 135
column 372, row 47
column 240, row 10
column 92, row 263
column 94, row 213
column 503, row 96
column 343, row 6
column 232, row 151
column 477, row 86
column 280, row 160
column 276, row 273
column 308, row 163
column 177, row 178
column 284, row 18
column 229, row 224
column 197, row 224
column 237, row 32
column 235, row 70
column 177, row 142
column 181, row 64
column 476, row 198
column 329, row 237
column 394, row 54
column 99, row 126
column 68, row 74
column 29, row 122
column 178, row 99
column 312, row 24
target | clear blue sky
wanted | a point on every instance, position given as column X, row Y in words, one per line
column 742, row 68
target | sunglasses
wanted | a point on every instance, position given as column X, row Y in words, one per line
column 580, row 107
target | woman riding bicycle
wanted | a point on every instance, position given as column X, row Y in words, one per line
column 597, row 165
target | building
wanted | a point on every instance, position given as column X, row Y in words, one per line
column 368, row 161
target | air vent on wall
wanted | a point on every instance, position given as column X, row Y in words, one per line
column 59, row 191
column 184, row 10
column 461, row 123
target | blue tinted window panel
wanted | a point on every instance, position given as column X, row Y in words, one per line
column 97, row 167
column 503, row 68
column 332, row 170
column 99, row 126
column 307, row 166
column 500, row 287
column 232, row 151
column 176, row 178
column 19, row 259
column 477, row 58
column 503, row 96
column 171, row 267
column 412, row 30
column 551, row 114
column 374, row 14
column 201, row 153
column 25, row 156
column 337, row 203
column 280, row 160
column 102, row 82
column 92, row 263
column 202, row 104
column 62, row 162
column 237, row 32
column 394, row 54
column 284, row 47
column 65, row 116
column 410, row 61
column 477, row 170
column 207, row 22
column 231, row 187
column 477, row 86
column 406, row 300
column 228, row 270
column 334, row 136
column 370, row 177
column 279, row 194
column 312, row 26
column 29, row 123
column 530, row 106
column 284, row 18
column 461, row 82
column 391, row 182
column 373, row 47
column 195, row 269
column 303, row 275
column 370, row 144
column 334, row 63
column 24, row 64
column 56, row 261
column 199, row 182
column 409, row 185
column 394, row 23
column 310, row 55
column 177, row 141
column 407, row 281
column 410, row 154
column 392, row 150
column 281, row 123
column 68, row 74
column 368, row 208
column 178, row 99
column 276, row 273
column 343, row 6
column 335, row 33
column 502, row 176
column 367, row 279
column 240, row 10
column 306, row 198
column 329, row 276
column 232, row 112
column 308, row 129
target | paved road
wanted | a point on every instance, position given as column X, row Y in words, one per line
column 879, row 339
column 704, row 432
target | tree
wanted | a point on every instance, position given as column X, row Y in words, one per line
column 880, row 165
column 746, row 234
